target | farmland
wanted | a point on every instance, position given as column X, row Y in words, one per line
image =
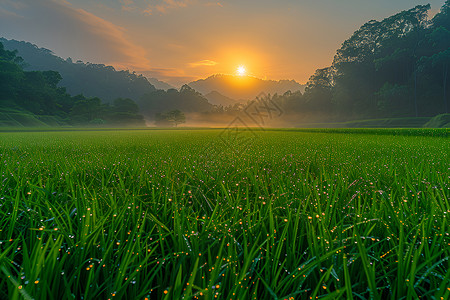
column 211, row 214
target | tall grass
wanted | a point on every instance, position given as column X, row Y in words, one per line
column 159, row 215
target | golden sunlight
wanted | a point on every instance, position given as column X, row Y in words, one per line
column 241, row 71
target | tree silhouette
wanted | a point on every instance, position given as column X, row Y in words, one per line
column 173, row 118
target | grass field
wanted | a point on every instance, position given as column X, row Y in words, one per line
column 212, row 214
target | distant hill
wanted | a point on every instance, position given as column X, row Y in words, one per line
column 34, row 99
column 217, row 98
column 91, row 80
column 160, row 85
column 244, row 87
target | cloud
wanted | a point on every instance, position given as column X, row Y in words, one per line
column 8, row 14
column 70, row 31
column 13, row 4
column 128, row 5
column 163, row 6
column 160, row 6
column 114, row 36
column 8, row 8
column 202, row 63
column 214, row 4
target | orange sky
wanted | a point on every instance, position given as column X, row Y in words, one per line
column 183, row 40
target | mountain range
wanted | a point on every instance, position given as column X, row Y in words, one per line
column 107, row 83
column 217, row 98
column 160, row 85
column 242, row 88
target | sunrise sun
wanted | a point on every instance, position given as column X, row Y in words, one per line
column 241, row 71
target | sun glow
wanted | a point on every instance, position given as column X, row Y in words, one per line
column 241, row 71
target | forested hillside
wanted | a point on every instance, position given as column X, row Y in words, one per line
column 397, row 67
column 34, row 98
column 89, row 79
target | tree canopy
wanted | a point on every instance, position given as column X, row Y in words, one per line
column 170, row 118
column 396, row 67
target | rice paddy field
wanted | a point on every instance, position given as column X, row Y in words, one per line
column 225, row 214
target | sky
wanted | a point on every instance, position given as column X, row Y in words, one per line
column 179, row 41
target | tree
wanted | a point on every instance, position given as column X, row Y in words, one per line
column 173, row 118
column 392, row 99
column 443, row 17
column 124, row 111
column 126, row 105
column 52, row 78
column 86, row 110
column 443, row 59
column 379, row 52
column 318, row 96
column 437, row 64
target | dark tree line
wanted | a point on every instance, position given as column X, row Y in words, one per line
column 38, row 92
column 186, row 100
column 397, row 67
